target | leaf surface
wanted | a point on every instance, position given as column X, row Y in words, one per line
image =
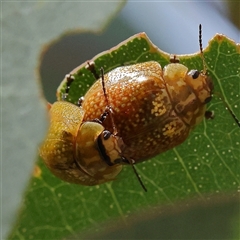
column 206, row 163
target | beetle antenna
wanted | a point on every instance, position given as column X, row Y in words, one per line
column 137, row 175
column 114, row 127
column 201, row 49
column 107, row 100
column 228, row 108
column 204, row 72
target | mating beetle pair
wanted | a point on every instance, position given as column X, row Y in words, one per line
column 129, row 115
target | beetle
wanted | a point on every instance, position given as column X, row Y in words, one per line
column 73, row 149
column 154, row 109
column 128, row 115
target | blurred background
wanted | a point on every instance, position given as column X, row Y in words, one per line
column 172, row 26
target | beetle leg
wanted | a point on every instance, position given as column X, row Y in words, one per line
column 209, row 115
column 80, row 101
column 91, row 67
column 70, row 79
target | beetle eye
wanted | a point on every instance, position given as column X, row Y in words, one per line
column 194, row 74
column 106, row 134
column 208, row 99
column 209, row 115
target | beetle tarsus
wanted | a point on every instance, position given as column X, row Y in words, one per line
column 91, row 67
column 69, row 79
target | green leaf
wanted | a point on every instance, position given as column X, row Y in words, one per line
column 206, row 164
column 185, row 220
column 26, row 26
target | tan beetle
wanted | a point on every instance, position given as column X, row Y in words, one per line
column 80, row 152
column 154, row 110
